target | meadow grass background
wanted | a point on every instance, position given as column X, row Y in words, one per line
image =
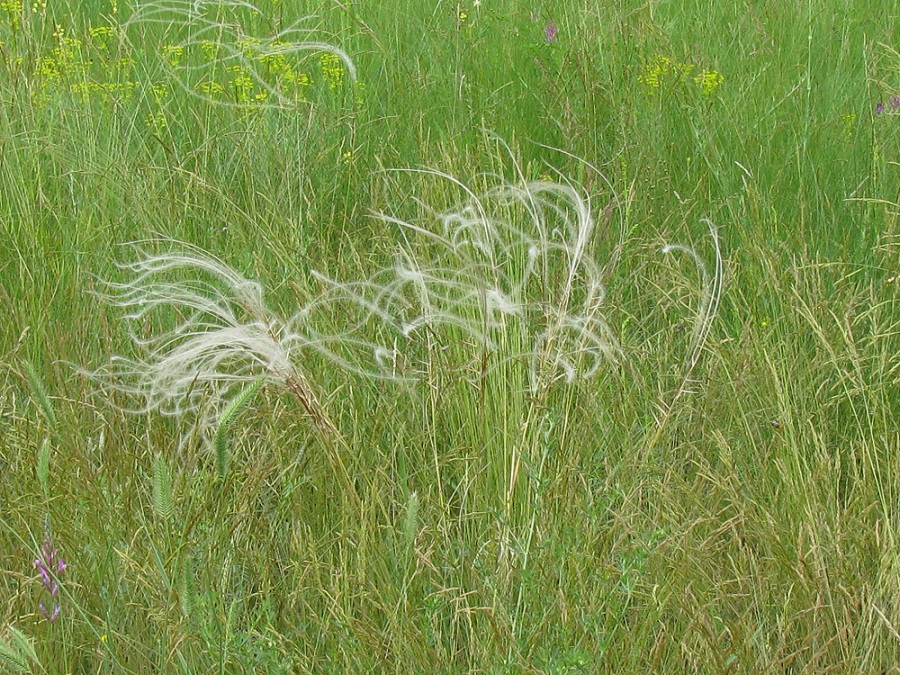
column 608, row 525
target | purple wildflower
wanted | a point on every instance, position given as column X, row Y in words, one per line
column 49, row 563
column 879, row 108
column 551, row 33
column 895, row 104
column 50, row 616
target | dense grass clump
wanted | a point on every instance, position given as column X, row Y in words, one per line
column 475, row 337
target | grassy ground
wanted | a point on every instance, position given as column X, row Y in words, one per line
column 670, row 480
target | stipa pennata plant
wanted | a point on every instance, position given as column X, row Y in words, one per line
column 707, row 308
column 227, row 337
column 516, row 261
column 710, row 296
column 210, row 55
column 511, row 273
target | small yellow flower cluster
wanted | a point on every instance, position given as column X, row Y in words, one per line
column 302, row 81
column 260, row 72
column 849, row 122
column 158, row 122
column 87, row 69
column 241, row 83
column 332, row 70
column 276, row 61
column 47, row 71
column 65, row 61
column 67, row 46
column 101, row 31
column 210, row 50
column 659, row 68
column 212, row 88
column 709, row 81
column 173, row 54
column 662, row 68
column 160, row 93
column 12, row 11
column 102, row 38
column 281, row 73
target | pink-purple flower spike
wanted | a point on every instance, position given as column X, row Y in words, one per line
column 49, row 564
column 551, row 33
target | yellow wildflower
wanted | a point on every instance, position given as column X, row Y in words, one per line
column 101, row 31
column 13, row 10
column 242, row 83
column 709, row 81
column 211, row 88
column 158, row 122
column 210, row 49
column 173, row 54
column 332, row 70
column 658, row 67
column 849, row 121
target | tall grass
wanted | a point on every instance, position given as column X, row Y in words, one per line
column 441, row 401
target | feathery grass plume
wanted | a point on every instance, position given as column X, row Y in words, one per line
column 162, row 488
column 709, row 298
column 516, row 260
column 227, row 339
column 234, row 408
column 17, row 654
column 43, row 467
column 512, row 272
column 707, row 309
column 40, row 395
column 264, row 69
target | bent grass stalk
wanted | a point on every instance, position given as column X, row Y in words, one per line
column 708, row 307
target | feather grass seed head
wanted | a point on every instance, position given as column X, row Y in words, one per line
column 520, row 258
column 227, row 337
